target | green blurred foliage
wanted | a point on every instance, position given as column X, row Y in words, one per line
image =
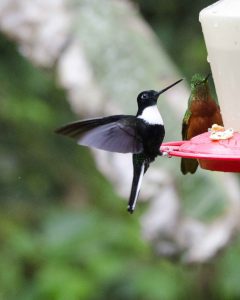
column 64, row 234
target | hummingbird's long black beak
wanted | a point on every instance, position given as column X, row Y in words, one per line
column 168, row 87
column 208, row 75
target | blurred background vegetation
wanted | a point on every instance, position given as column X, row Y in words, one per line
column 64, row 233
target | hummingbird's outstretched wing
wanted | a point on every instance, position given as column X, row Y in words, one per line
column 115, row 133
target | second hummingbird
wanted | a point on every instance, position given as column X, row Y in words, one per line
column 202, row 112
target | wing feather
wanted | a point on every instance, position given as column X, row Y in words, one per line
column 115, row 133
column 185, row 124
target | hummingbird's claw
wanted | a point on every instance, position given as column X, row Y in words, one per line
column 165, row 153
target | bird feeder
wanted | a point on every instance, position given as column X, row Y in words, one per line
column 221, row 29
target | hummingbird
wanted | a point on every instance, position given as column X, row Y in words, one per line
column 202, row 112
column 141, row 135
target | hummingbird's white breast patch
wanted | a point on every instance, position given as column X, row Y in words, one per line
column 151, row 115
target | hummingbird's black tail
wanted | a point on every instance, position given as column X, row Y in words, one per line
column 139, row 168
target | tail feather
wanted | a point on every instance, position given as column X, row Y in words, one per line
column 189, row 165
column 136, row 184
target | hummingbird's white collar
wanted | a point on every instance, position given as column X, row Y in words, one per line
column 151, row 115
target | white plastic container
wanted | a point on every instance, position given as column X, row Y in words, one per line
column 221, row 29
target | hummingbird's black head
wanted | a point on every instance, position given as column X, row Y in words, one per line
column 149, row 98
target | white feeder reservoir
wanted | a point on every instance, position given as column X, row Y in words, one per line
column 221, row 30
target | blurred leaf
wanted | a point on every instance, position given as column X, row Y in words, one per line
column 62, row 282
column 227, row 274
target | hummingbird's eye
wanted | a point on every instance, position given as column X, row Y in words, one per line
column 144, row 96
column 197, row 83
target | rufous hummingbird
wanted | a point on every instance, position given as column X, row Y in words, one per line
column 202, row 112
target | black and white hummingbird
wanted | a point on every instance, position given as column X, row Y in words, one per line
column 141, row 135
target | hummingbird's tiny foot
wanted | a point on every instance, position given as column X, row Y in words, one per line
column 165, row 153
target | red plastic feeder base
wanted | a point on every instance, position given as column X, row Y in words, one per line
column 222, row 155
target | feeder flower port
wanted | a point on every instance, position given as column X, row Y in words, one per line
column 221, row 29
